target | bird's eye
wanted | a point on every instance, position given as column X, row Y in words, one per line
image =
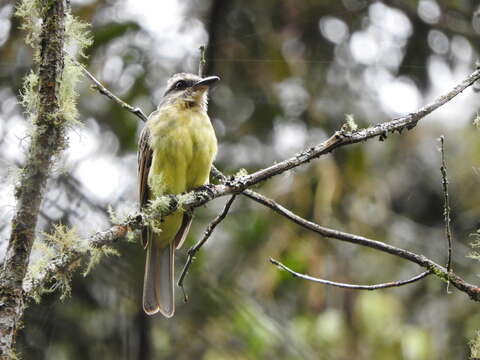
column 180, row 85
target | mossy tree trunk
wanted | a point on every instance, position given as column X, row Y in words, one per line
column 47, row 140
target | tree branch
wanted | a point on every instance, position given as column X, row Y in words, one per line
column 472, row 290
column 47, row 140
column 351, row 286
column 339, row 139
column 342, row 138
column 97, row 85
column 60, row 264
column 241, row 184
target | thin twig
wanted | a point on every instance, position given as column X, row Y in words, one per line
column 104, row 91
column 194, row 249
column 439, row 271
column 351, row 286
column 203, row 62
column 472, row 290
column 446, row 208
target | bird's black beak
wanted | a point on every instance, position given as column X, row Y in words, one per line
column 208, row 81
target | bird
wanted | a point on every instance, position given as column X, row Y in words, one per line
column 176, row 149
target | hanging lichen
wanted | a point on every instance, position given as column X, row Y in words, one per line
column 77, row 40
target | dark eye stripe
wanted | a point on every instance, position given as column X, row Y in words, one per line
column 180, row 85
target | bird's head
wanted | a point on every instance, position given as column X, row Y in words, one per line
column 188, row 89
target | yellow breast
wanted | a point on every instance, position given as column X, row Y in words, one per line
column 184, row 147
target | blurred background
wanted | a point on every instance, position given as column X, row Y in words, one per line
column 291, row 70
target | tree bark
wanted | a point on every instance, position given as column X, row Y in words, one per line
column 47, row 140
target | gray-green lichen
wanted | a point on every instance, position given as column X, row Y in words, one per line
column 77, row 35
column 475, row 244
column 161, row 206
column 77, row 40
column 114, row 217
column 154, row 212
column 29, row 94
column 475, row 347
column 29, row 12
column 350, row 125
column 241, row 172
column 63, row 239
column 48, row 249
column 52, row 250
column 71, row 76
column 96, row 254
column 476, row 121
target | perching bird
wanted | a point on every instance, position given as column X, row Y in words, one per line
column 175, row 153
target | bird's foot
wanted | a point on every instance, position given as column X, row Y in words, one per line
column 208, row 188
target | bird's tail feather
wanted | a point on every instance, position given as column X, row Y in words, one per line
column 158, row 293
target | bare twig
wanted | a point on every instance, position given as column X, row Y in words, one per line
column 446, row 207
column 194, row 249
column 472, row 290
column 351, row 286
column 104, row 91
column 203, row 63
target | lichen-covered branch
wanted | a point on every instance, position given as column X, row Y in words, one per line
column 47, row 139
column 343, row 138
column 168, row 204
column 34, row 286
column 339, row 139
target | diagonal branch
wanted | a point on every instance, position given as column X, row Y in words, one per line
column 241, row 184
column 351, row 286
column 341, row 138
column 97, row 85
column 338, row 139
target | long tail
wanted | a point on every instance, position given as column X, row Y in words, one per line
column 158, row 293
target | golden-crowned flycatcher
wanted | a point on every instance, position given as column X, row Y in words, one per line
column 176, row 150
